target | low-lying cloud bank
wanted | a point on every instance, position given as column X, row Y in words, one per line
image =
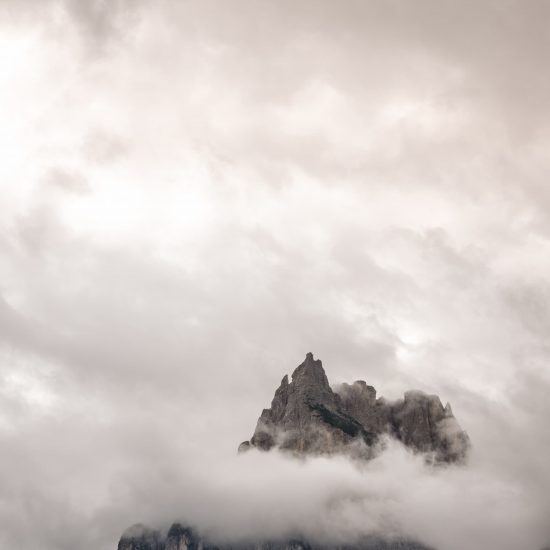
column 155, row 475
column 269, row 495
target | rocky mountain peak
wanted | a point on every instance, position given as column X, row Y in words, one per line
column 310, row 382
column 310, row 368
column 308, row 417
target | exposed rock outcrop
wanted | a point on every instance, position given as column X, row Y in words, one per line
column 307, row 417
column 182, row 538
column 139, row 537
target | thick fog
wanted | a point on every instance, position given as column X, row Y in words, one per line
column 195, row 194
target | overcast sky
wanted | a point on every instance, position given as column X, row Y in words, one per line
column 195, row 194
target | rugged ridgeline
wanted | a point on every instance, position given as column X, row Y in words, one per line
column 178, row 537
column 308, row 417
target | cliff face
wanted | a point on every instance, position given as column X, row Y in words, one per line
column 307, row 417
column 182, row 538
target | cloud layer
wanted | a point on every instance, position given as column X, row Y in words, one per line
column 194, row 195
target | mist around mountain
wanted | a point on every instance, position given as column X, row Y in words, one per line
column 307, row 418
column 340, row 469
column 346, row 428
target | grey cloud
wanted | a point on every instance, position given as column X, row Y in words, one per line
column 66, row 181
column 216, row 189
column 531, row 303
column 103, row 147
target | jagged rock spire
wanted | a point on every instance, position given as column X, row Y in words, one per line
column 307, row 416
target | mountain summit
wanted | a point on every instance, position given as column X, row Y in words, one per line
column 308, row 417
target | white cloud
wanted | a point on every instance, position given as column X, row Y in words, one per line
column 194, row 195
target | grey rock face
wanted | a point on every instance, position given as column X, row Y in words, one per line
column 178, row 537
column 421, row 422
column 182, row 538
column 307, row 417
column 139, row 537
